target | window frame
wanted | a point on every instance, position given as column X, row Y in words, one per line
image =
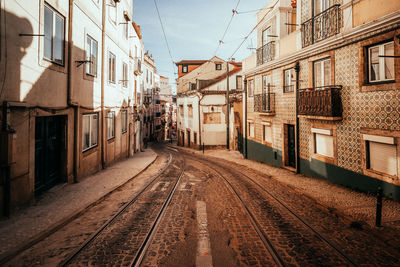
column 250, row 88
column 55, row 13
column 91, row 64
column 322, row 60
column 265, row 142
column 124, row 121
column 111, row 69
column 125, row 79
column 292, row 83
column 90, row 115
column 381, row 62
column 185, row 68
column 239, row 84
column 218, row 66
column 112, row 120
column 251, row 124
column 326, row 129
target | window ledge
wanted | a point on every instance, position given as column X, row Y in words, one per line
column 382, row 176
column 325, row 159
column 90, row 150
column 321, row 118
column 266, row 113
column 381, row 86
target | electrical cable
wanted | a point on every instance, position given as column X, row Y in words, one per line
column 5, row 50
column 165, row 36
column 227, row 27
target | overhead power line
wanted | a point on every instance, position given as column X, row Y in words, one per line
column 165, row 36
column 227, row 27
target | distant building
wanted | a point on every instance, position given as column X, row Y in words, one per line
column 201, row 101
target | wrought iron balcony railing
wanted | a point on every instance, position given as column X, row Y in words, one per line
column 321, row 101
column 321, row 26
column 266, row 53
column 264, row 103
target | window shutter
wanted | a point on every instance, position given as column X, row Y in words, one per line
column 383, row 158
column 324, row 145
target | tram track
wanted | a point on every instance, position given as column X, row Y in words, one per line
column 269, row 244
column 135, row 201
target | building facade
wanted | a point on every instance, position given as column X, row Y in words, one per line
column 69, row 94
column 322, row 91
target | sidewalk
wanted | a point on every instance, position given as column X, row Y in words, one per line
column 61, row 203
column 351, row 205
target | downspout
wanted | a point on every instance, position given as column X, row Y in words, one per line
column 297, row 69
column 69, row 93
column 103, row 36
column 227, row 105
column 245, row 118
column 198, row 108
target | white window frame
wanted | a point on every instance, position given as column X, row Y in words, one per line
column 288, row 81
column 267, row 124
column 252, row 129
column 91, row 67
column 111, row 67
column 124, row 123
column 326, row 132
column 323, row 78
column 264, row 35
column 381, row 64
column 55, row 14
column 91, row 124
column 124, row 75
column 185, row 68
column 250, row 89
column 110, row 125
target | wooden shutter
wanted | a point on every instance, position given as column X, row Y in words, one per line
column 324, row 145
column 383, row 158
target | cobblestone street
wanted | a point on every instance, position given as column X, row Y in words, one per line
column 188, row 209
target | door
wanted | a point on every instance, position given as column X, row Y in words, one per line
column 49, row 152
column 291, row 146
column 188, row 138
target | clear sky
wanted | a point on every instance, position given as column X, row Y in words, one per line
column 193, row 29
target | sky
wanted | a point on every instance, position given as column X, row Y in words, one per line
column 193, row 29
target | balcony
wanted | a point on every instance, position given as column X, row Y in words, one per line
column 321, row 102
column 137, row 67
column 321, row 26
column 266, row 53
column 265, row 103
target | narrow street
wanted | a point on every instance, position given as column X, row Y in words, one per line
column 189, row 210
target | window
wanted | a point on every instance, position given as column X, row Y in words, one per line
column 190, row 111
column 322, row 72
column 250, row 88
column 239, row 82
column 112, row 11
column 147, row 75
column 288, row 80
column 53, row 49
column 320, row 6
column 124, row 121
column 218, row 66
column 111, row 67
column 184, row 68
column 151, row 78
column 323, row 142
column 266, row 36
column 381, row 68
column 291, row 20
column 381, row 154
column 126, row 30
column 181, row 111
column 124, row 74
column 195, row 138
column 267, row 132
column 110, row 125
column 251, row 129
column 91, row 55
column 90, row 124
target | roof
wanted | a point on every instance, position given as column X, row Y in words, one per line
column 222, row 77
column 191, row 62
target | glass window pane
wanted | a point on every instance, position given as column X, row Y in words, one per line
column 48, row 33
column 317, row 74
column 59, row 40
column 94, row 57
column 94, row 130
column 389, row 61
column 85, row 132
column 88, row 53
column 327, row 72
column 374, row 63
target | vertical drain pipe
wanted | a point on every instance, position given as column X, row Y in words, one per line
column 245, row 118
column 103, row 34
column 297, row 69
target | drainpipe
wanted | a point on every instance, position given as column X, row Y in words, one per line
column 5, row 159
column 297, row 69
column 200, row 98
column 227, row 105
column 103, row 36
column 245, row 119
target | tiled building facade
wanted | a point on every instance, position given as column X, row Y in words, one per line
column 347, row 90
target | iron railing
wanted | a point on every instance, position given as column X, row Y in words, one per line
column 266, row 53
column 264, row 103
column 323, row 101
column 321, row 26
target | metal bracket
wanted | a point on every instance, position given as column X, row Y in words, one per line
column 31, row 34
column 80, row 62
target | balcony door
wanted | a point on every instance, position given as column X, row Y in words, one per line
column 266, row 36
column 322, row 73
column 266, row 92
column 321, row 6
